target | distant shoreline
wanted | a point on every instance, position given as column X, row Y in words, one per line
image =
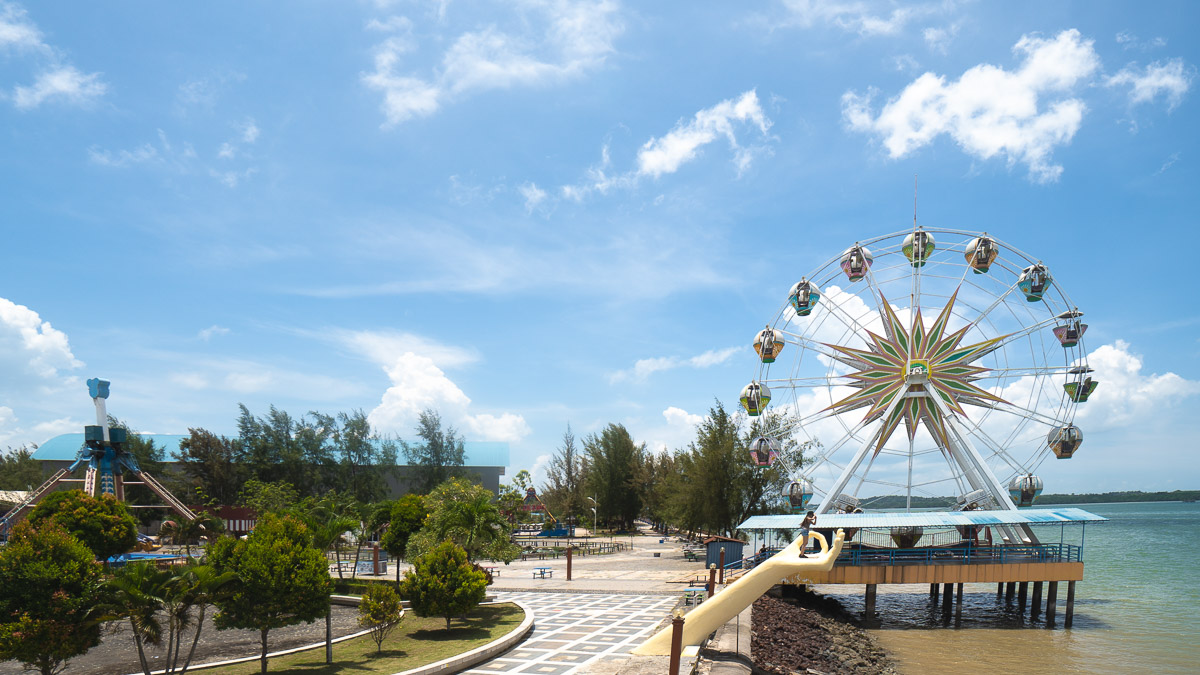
column 1127, row 497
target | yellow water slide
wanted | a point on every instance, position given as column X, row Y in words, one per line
column 739, row 595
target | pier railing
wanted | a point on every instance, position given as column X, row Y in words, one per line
column 960, row 555
column 956, row 555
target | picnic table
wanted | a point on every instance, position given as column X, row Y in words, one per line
column 694, row 595
column 492, row 570
column 542, row 572
column 693, row 554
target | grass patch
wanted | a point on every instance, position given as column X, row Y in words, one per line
column 416, row 642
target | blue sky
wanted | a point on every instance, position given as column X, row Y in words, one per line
column 534, row 213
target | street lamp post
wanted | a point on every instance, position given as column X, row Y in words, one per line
column 595, row 515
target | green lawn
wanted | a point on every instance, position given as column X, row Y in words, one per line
column 415, row 642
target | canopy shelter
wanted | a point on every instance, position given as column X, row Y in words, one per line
column 924, row 529
column 926, row 519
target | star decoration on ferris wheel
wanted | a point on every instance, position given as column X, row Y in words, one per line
column 918, row 364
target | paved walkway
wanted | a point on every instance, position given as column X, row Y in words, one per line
column 577, row 632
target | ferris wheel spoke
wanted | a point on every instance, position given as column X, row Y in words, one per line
column 1027, row 412
column 998, row 449
column 802, row 341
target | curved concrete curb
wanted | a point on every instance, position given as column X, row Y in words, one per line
column 478, row 655
column 452, row 664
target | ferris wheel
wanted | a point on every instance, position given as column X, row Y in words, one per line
column 927, row 362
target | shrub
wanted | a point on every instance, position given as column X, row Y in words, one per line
column 103, row 524
column 443, row 583
column 380, row 611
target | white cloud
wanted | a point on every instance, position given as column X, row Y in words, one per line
column 122, row 158
column 539, row 472
column 905, row 63
column 867, row 18
column 189, row 380
column 990, row 111
column 666, row 154
column 533, row 196
column 30, row 345
column 418, row 384
column 644, row 368
column 1126, row 394
column 17, row 31
column 37, row 363
column 249, row 131
column 678, row 431
column 553, row 41
column 939, row 39
column 226, row 151
column 1130, row 41
column 64, row 83
column 384, row 347
column 232, row 179
column 681, row 145
column 1171, row 79
column 208, row 333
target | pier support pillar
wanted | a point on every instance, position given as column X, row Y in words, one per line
column 999, row 590
column 1051, row 602
column 1009, row 589
column 933, row 591
column 1037, row 600
column 1070, row 613
column 869, row 605
column 958, row 603
column 1022, row 594
column 947, row 597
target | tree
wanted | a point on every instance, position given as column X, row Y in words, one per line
column 464, row 513
column 279, row 447
column 363, row 457
column 443, row 583
column 267, row 498
column 49, row 598
column 379, row 612
column 567, row 478
column 328, row 520
column 439, row 456
column 407, row 516
column 187, row 532
column 614, row 459
column 19, row 470
column 136, row 593
column 144, row 595
column 213, row 463
column 280, row 579
column 204, row 586
column 102, row 523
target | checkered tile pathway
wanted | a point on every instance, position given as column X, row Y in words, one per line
column 574, row 630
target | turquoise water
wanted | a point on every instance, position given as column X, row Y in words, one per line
column 1137, row 609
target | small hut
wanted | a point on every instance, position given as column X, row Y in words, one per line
column 713, row 545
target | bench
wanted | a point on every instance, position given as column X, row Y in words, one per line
column 542, row 572
column 494, row 571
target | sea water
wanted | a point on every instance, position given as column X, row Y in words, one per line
column 1137, row 609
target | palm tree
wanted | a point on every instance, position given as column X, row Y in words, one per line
column 476, row 523
column 188, row 531
column 136, row 594
column 204, row 587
